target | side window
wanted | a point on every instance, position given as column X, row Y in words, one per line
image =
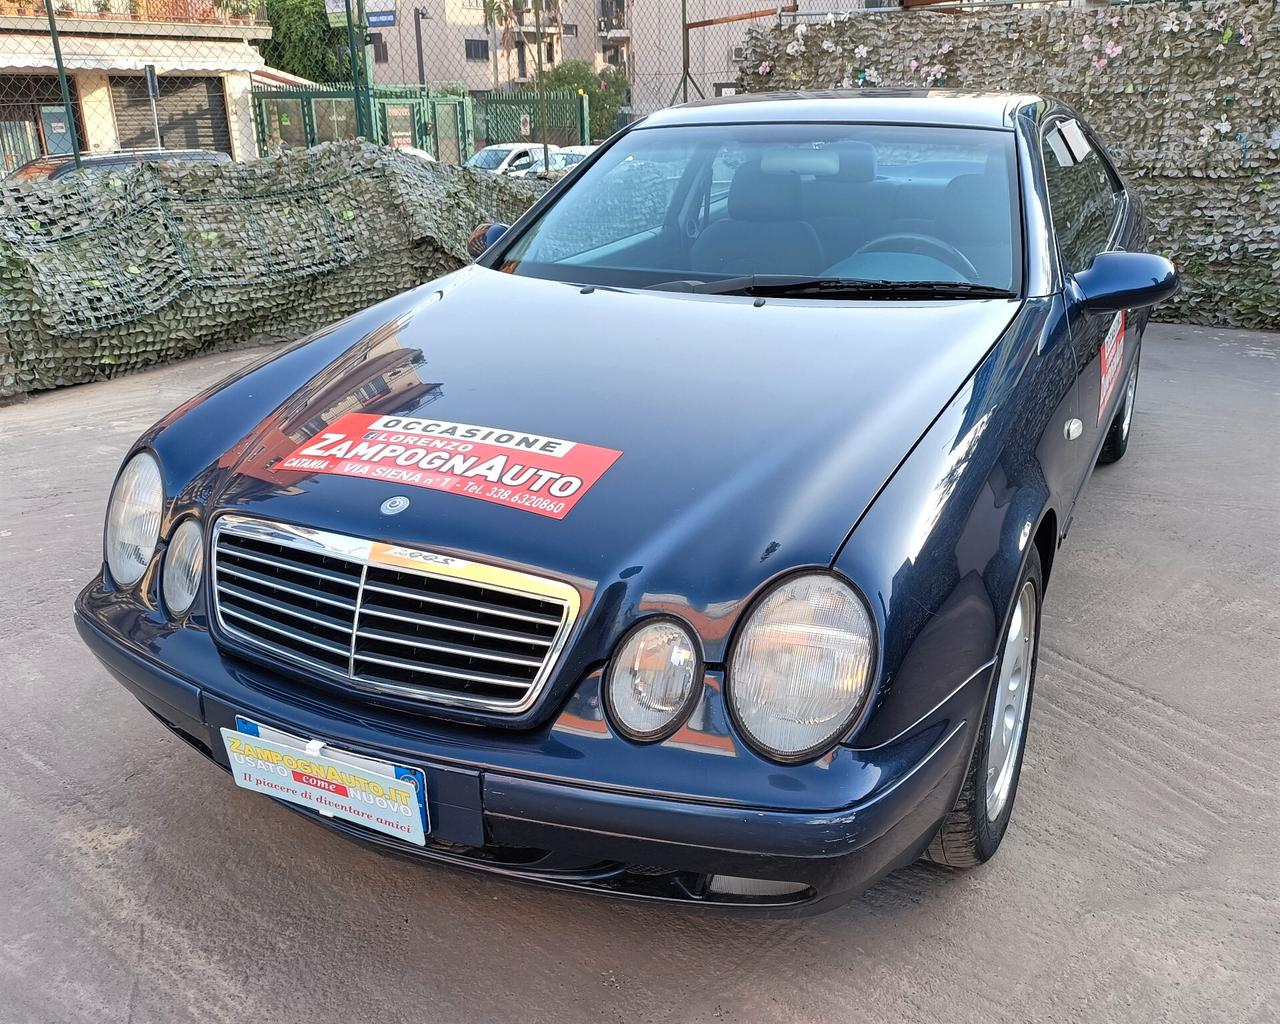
column 1084, row 197
column 624, row 197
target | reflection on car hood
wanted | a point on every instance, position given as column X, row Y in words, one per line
column 751, row 437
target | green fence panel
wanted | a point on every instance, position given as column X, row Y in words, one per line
column 515, row 117
column 401, row 115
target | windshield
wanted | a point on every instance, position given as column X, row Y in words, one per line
column 487, row 159
column 817, row 203
column 557, row 161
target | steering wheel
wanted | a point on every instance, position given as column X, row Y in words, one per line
column 924, row 245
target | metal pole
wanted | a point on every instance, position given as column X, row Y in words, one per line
column 62, row 82
column 155, row 121
column 542, row 96
column 684, row 31
column 366, row 70
column 417, row 35
column 353, row 54
column 153, row 86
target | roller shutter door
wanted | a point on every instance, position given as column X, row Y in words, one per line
column 192, row 111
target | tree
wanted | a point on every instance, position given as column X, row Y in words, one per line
column 606, row 90
column 302, row 41
column 500, row 19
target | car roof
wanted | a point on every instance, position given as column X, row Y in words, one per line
column 521, row 145
column 53, row 165
column 950, row 107
column 35, row 169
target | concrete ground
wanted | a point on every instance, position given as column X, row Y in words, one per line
column 1138, row 881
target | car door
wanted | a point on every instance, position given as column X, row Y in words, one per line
column 519, row 160
column 1087, row 209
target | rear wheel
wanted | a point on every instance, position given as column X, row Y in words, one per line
column 1117, row 442
column 972, row 832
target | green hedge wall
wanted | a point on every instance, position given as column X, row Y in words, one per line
column 105, row 274
column 1187, row 95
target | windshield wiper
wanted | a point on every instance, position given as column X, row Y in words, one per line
column 784, row 285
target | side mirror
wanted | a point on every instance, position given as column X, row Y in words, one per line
column 483, row 237
column 1126, row 280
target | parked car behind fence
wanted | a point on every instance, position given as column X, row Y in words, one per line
column 47, row 168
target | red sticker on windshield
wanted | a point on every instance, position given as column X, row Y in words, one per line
column 1112, row 363
column 544, row 475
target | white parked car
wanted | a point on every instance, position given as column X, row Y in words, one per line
column 508, row 157
column 421, row 154
column 576, row 154
column 561, row 160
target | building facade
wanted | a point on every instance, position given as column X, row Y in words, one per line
column 447, row 42
column 201, row 56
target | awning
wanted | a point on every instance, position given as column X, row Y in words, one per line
column 273, row 78
column 25, row 52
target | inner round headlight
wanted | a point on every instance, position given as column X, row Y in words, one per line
column 133, row 519
column 652, row 681
column 801, row 668
column 183, row 564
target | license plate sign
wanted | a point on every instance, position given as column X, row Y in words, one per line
column 379, row 795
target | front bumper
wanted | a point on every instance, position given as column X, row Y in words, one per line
column 489, row 811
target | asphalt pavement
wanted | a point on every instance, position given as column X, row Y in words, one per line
column 1138, row 881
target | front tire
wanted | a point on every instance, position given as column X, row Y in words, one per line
column 972, row 831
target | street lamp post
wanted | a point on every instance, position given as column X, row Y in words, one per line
column 420, row 14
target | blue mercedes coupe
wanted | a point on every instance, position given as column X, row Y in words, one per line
column 710, row 568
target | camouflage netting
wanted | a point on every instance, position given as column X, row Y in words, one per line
column 1187, row 95
column 107, row 274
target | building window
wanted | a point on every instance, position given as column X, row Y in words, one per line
column 477, row 49
column 569, row 31
column 379, row 49
column 551, row 51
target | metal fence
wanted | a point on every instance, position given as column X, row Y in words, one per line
column 89, row 78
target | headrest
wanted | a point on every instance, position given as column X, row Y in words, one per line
column 755, row 195
column 975, row 208
column 799, row 160
column 857, row 161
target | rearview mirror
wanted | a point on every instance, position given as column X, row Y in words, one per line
column 1126, row 280
column 483, row 237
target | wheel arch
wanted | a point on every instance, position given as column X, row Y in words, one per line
column 1047, row 540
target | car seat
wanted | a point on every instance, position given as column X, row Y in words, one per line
column 763, row 233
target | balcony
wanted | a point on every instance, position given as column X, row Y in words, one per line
column 527, row 21
column 614, row 21
column 140, row 17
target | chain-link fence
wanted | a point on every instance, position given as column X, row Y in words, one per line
column 85, row 79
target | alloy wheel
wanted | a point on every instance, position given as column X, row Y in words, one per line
column 1013, row 690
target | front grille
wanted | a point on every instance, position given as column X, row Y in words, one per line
column 453, row 632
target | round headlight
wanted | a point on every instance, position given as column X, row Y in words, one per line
column 133, row 519
column 653, row 680
column 801, row 668
column 183, row 564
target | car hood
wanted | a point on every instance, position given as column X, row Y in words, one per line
column 751, row 437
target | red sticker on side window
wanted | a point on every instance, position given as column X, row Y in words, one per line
column 1112, row 363
column 543, row 475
